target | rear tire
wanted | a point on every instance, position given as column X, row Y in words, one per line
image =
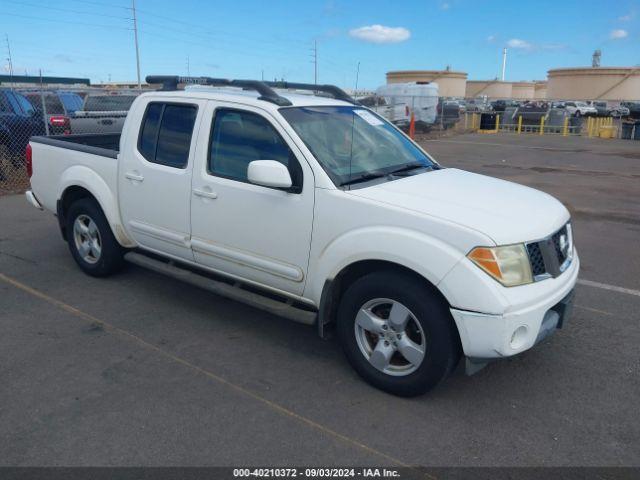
column 91, row 241
column 429, row 339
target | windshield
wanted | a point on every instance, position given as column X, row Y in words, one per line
column 351, row 142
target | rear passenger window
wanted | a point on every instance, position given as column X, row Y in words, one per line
column 166, row 133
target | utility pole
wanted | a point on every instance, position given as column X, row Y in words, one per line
column 188, row 69
column 10, row 60
column 357, row 75
column 135, row 35
column 315, row 62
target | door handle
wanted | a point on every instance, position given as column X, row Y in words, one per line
column 133, row 176
column 205, row 194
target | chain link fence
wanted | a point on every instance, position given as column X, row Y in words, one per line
column 26, row 112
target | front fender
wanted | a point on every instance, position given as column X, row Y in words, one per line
column 425, row 255
column 81, row 176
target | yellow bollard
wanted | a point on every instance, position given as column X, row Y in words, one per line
column 589, row 126
column 541, row 126
column 497, row 123
column 565, row 127
column 519, row 124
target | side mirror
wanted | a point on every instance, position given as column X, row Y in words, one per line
column 269, row 173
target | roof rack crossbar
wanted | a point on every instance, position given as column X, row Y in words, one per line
column 332, row 90
column 265, row 89
column 170, row 82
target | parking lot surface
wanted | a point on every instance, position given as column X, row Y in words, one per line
column 140, row 369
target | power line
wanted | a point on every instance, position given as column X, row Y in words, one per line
column 66, row 10
column 102, row 4
column 65, row 21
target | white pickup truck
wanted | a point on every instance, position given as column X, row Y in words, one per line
column 316, row 209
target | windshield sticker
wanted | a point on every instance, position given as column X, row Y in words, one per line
column 368, row 117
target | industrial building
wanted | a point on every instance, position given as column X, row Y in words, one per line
column 27, row 81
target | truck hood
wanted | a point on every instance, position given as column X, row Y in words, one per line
column 504, row 211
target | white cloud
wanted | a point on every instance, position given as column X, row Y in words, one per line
column 380, row 34
column 618, row 34
column 627, row 18
column 491, row 38
column 519, row 44
column 445, row 6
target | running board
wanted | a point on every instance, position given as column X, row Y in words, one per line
column 233, row 292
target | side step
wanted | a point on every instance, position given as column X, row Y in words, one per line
column 234, row 292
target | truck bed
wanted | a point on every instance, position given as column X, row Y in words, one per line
column 103, row 144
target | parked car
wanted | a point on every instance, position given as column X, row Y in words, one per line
column 59, row 107
column 501, row 105
column 18, row 122
column 531, row 112
column 104, row 113
column 477, row 105
column 580, row 109
column 320, row 210
column 634, row 109
column 448, row 113
column 606, row 109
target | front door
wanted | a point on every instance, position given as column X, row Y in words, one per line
column 254, row 233
column 155, row 177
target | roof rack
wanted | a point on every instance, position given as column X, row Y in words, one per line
column 170, row 82
column 332, row 90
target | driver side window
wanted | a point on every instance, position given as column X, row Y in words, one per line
column 239, row 137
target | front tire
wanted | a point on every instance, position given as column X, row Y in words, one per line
column 91, row 241
column 397, row 333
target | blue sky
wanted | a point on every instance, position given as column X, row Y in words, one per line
column 251, row 38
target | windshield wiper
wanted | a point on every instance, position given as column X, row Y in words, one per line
column 411, row 166
column 363, row 178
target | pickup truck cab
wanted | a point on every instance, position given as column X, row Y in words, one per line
column 319, row 210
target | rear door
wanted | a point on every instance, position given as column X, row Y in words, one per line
column 154, row 174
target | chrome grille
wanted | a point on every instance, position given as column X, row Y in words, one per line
column 551, row 256
column 535, row 257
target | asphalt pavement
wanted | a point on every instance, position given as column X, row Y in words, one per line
column 140, row 369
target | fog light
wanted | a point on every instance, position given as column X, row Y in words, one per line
column 519, row 337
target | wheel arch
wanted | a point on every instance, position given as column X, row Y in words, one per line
column 84, row 183
column 335, row 287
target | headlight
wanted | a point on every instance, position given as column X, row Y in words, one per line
column 509, row 264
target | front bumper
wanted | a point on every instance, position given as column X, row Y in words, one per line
column 487, row 336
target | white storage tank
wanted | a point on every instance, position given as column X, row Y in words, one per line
column 450, row 83
column 403, row 98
